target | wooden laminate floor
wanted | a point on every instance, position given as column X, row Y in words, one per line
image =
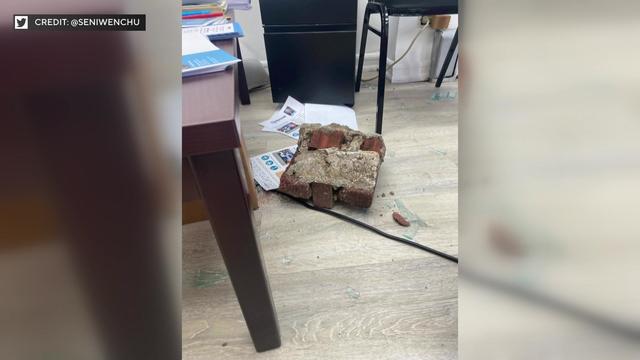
column 342, row 292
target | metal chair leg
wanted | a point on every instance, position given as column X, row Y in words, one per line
column 447, row 59
column 382, row 67
column 363, row 44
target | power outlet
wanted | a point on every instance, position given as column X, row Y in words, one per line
column 424, row 20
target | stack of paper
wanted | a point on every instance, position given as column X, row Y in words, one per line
column 217, row 32
column 239, row 4
column 200, row 56
column 191, row 23
column 203, row 13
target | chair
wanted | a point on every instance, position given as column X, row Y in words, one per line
column 388, row 8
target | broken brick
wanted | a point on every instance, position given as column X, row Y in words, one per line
column 334, row 162
column 322, row 195
column 326, row 139
column 294, row 187
column 400, row 219
column 374, row 143
column 356, row 197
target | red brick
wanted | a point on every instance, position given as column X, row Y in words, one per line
column 326, row 139
column 400, row 219
column 374, row 144
column 356, row 197
column 294, row 187
column 322, row 195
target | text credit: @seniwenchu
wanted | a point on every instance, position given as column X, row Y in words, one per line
column 79, row 22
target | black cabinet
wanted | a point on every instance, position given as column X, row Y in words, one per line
column 311, row 48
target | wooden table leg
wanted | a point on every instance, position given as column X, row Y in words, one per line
column 246, row 165
column 219, row 178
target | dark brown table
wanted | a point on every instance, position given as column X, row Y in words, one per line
column 211, row 147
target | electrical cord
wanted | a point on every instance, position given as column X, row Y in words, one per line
column 540, row 298
column 405, row 52
column 527, row 294
column 371, row 228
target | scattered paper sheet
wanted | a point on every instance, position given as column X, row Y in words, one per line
column 327, row 114
column 292, row 114
column 287, row 120
column 268, row 167
column 288, row 128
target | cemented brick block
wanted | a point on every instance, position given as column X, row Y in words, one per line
column 332, row 163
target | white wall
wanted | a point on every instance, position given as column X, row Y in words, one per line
column 416, row 64
column 252, row 44
column 373, row 42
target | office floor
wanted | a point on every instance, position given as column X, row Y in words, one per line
column 342, row 292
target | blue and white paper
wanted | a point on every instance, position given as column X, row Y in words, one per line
column 269, row 167
column 218, row 32
column 200, row 56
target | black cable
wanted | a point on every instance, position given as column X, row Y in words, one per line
column 512, row 289
column 371, row 228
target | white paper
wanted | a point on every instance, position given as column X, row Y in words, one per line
column 292, row 114
column 328, row 114
column 194, row 23
column 268, row 167
column 194, row 42
column 291, row 111
column 210, row 29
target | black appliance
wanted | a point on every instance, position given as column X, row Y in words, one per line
column 311, row 47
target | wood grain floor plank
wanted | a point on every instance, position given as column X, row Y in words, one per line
column 342, row 292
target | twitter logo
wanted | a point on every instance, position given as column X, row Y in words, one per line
column 20, row 22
